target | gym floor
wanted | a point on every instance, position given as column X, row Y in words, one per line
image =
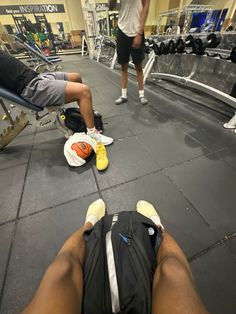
column 172, row 152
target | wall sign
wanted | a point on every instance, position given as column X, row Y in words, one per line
column 30, row 9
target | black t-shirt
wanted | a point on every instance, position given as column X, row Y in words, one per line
column 14, row 74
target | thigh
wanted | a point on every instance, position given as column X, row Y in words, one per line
column 123, row 47
column 61, row 289
column 173, row 290
column 61, row 76
column 45, row 92
column 138, row 55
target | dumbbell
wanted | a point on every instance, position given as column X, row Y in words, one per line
column 210, row 41
column 233, row 55
column 147, row 45
column 214, row 40
column 189, row 41
column 180, row 46
column 157, row 48
column 172, row 45
column 164, row 47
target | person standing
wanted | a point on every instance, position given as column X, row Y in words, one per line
column 130, row 41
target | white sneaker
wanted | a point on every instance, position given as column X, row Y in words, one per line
column 95, row 211
column 121, row 100
column 98, row 137
column 143, row 100
column 147, row 210
column 231, row 124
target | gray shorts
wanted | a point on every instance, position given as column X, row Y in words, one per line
column 47, row 89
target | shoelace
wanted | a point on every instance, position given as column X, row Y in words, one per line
column 101, row 152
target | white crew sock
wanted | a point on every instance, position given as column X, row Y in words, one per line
column 157, row 221
column 124, row 92
column 92, row 218
column 141, row 93
column 92, row 130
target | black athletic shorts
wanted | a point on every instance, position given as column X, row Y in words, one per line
column 124, row 49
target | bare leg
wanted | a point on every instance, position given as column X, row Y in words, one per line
column 173, row 287
column 82, row 94
column 139, row 71
column 61, row 289
column 74, row 77
column 124, row 75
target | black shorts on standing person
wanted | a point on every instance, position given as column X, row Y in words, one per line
column 125, row 49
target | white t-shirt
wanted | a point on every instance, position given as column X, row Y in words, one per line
column 129, row 16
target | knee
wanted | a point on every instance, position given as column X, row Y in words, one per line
column 85, row 92
column 79, row 78
column 61, row 268
column 173, row 269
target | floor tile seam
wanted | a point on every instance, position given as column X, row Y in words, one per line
column 15, row 226
column 102, row 190
column 99, row 191
column 96, row 181
column 196, row 140
column 55, row 205
column 14, row 166
column 117, row 73
column 221, row 158
column 190, row 100
column 228, row 164
column 185, row 161
column 147, row 174
column 7, row 222
column 213, row 246
column 190, row 202
column 181, row 162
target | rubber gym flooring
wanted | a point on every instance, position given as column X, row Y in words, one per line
column 172, row 152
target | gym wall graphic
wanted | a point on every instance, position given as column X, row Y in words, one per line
column 29, row 9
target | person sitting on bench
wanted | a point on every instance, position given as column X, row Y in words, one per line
column 49, row 89
column 61, row 289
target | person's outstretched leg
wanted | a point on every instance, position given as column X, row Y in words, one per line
column 82, row 94
column 61, row 289
column 173, row 286
column 74, row 77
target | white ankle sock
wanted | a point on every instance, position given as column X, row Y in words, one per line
column 92, row 130
column 92, row 218
column 124, row 92
column 141, row 93
column 157, row 221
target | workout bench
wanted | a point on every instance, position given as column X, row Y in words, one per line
column 32, row 115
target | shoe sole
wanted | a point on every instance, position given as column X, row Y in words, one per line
column 120, row 103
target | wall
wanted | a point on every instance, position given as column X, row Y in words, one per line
column 72, row 19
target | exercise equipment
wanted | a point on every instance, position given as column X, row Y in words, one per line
column 172, row 46
column 180, row 45
column 164, row 47
column 189, row 41
column 202, row 43
column 233, row 55
column 41, row 62
column 31, row 114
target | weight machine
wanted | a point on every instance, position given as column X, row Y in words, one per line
column 188, row 14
